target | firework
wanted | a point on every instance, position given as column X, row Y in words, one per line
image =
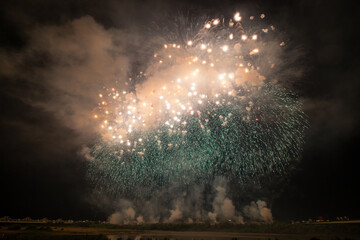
column 202, row 109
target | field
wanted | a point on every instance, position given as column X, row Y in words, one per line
column 30, row 230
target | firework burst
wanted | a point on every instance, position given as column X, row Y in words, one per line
column 202, row 109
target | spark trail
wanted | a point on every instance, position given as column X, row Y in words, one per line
column 204, row 110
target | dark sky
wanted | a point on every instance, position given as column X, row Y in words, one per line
column 42, row 173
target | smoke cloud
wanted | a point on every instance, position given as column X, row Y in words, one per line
column 193, row 205
column 125, row 215
column 66, row 66
column 176, row 214
column 258, row 211
column 224, row 209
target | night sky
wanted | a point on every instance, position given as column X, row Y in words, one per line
column 42, row 171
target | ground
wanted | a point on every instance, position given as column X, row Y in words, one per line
column 301, row 231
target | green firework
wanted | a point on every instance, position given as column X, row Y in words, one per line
column 259, row 131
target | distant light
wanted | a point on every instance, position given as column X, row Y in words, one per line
column 225, row 48
column 254, row 51
column 237, row 17
column 221, row 76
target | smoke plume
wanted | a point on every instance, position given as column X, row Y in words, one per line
column 66, row 66
column 258, row 211
column 189, row 206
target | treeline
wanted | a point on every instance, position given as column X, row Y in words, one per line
column 42, row 220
